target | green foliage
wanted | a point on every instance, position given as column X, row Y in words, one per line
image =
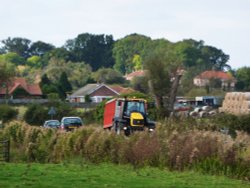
column 7, row 71
column 108, row 76
column 233, row 123
column 99, row 111
column 17, row 45
column 95, row 50
column 36, row 115
column 64, row 84
column 34, row 61
column 140, row 84
column 13, row 58
column 126, row 48
column 137, row 62
column 40, row 48
column 7, row 113
column 79, row 74
column 243, row 78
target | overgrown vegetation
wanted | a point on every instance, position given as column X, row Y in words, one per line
column 7, row 113
column 177, row 145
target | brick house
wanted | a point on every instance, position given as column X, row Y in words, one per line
column 97, row 93
column 227, row 80
column 18, row 88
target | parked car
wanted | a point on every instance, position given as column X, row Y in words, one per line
column 71, row 123
column 55, row 124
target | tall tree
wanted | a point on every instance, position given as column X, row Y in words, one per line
column 64, row 85
column 39, row 48
column 7, row 72
column 216, row 58
column 164, row 76
column 95, row 50
column 17, row 45
column 126, row 48
column 243, row 78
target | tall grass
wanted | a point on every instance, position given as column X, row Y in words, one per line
column 177, row 145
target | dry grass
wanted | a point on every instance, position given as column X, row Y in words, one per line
column 175, row 146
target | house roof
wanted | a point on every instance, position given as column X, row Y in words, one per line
column 93, row 88
column 32, row 89
column 121, row 90
column 86, row 90
column 135, row 74
column 215, row 74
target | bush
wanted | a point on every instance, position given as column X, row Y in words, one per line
column 232, row 122
column 36, row 114
column 7, row 113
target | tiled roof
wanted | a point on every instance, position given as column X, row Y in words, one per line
column 33, row 89
column 86, row 90
column 121, row 90
column 97, row 89
column 135, row 74
column 215, row 74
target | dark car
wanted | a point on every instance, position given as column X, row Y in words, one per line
column 71, row 123
column 55, row 124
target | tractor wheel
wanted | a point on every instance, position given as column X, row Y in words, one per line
column 127, row 132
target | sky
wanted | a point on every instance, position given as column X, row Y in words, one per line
column 224, row 24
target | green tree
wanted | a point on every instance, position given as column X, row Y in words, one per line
column 164, row 76
column 108, row 76
column 140, row 84
column 95, row 50
column 126, row 48
column 137, row 62
column 243, row 78
column 17, row 45
column 54, row 67
column 64, row 82
column 34, row 61
column 13, row 58
column 215, row 57
column 40, row 48
column 45, row 80
column 79, row 74
column 7, row 71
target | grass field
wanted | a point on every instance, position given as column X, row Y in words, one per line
column 105, row 175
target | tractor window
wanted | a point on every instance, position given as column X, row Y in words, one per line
column 135, row 106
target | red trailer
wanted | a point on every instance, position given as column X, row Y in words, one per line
column 126, row 114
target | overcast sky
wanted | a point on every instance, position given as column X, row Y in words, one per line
column 224, row 24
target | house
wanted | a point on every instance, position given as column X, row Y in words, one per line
column 227, row 80
column 139, row 73
column 97, row 93
column 18, row 88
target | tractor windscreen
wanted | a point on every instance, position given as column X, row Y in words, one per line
column 135, row 106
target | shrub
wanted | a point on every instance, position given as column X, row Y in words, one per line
column 7, row 113
column 36, row 114
column 232, row 122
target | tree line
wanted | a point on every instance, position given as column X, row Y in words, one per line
column 99, row 58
